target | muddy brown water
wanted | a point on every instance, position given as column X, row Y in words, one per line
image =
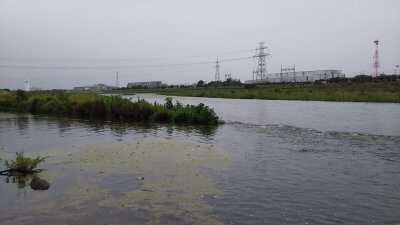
column 272, row 162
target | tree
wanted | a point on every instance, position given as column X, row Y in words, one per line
column 200, row 83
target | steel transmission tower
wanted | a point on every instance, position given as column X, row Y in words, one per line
column 217, row 78
column 376, row 64
column 261, row 72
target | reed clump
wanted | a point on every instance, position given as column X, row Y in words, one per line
column 23, row 164
column 88, row 105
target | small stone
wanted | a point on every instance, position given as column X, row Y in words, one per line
column 39, row 184
column 140, row 178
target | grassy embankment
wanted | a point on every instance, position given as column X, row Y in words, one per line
column 87, row 105
column 343, row 92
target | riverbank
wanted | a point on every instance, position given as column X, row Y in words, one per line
column 94, row 106
column 340, row 92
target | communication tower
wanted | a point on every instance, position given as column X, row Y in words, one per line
column 376, row 64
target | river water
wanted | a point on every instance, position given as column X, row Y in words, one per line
column 290, row 162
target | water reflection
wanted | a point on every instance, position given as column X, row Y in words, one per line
column 47, row 127
column 23, row 181
column 22, row 124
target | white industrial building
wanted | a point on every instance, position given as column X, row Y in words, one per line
column 148, row 84
column 303, row 76
column 95, row 88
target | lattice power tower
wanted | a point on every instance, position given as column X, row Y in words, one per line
column 261, row 72
column 376, row 65
column 217, row 78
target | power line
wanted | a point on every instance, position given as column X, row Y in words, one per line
column 10, row 66
column 210, row 68
column 125, row 59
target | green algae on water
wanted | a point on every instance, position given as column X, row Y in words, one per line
column 176, row 178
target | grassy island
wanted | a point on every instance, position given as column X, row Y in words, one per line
column 90, row 105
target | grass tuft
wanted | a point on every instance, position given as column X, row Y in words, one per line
column 23, row 164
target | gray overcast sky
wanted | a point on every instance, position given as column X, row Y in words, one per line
column 88, row 40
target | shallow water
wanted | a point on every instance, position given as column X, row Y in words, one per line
column 287, row 162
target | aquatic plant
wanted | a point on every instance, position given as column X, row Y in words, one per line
column 23, row 164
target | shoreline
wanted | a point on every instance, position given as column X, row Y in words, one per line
column 374, row 92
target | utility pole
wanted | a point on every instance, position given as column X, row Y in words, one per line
column 261, row 71
column 376, row 64
column 217, row 78
column 228, row 76
column 27, row 88
column 287, row 70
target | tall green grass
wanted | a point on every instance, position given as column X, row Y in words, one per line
column 344, row 92
column 88, row 105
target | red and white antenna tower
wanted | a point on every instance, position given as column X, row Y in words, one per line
column 376, row 65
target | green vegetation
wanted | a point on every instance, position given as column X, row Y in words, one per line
column 90, row 105
column 345, row 92
column 362, row 88
column 23, row 164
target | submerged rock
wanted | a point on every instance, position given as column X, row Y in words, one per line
column 39, row 184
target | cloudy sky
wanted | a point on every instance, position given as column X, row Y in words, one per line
column 66, row 43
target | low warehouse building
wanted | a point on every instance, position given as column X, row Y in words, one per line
column 303, row 76
column 148, row 84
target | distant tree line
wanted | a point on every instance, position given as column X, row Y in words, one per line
column 227, row 82
column 365, row 78
column 237, row 83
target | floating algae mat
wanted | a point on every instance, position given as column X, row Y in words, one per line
column 148, row 182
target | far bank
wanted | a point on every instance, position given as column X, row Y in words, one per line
column 388, row 91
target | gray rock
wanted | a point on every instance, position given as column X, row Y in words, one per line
column 39, row 184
